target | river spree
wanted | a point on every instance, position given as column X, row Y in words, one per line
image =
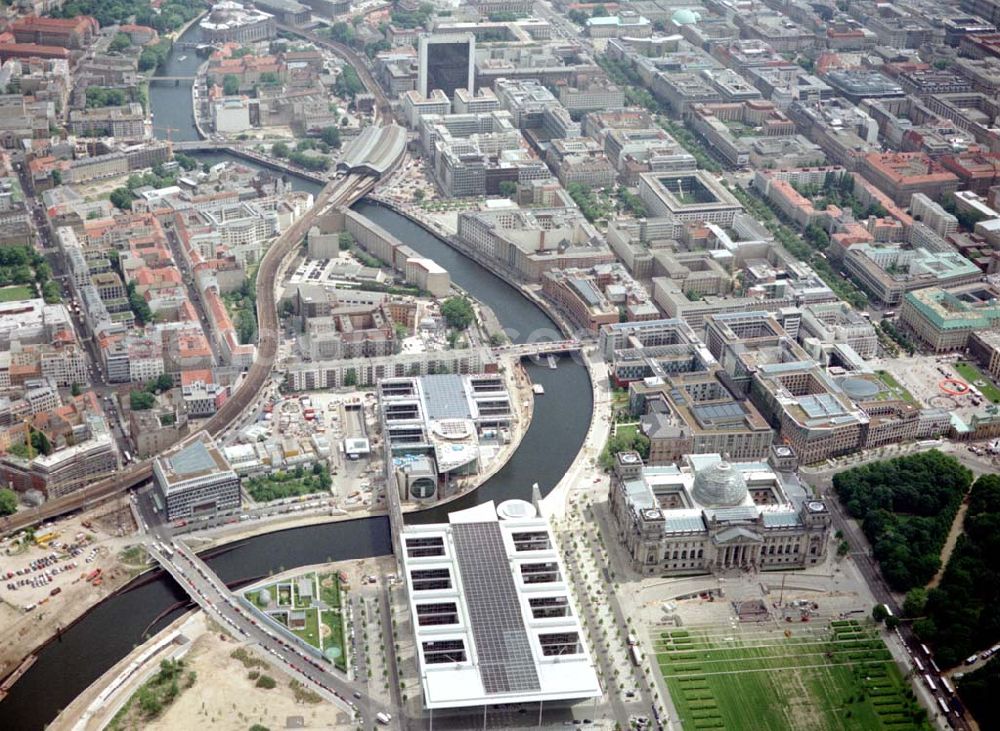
column 561, row 418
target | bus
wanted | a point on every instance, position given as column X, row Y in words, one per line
column 944, row 707
column 930, row 682
column 635, row 654
column 925, row 650
column 948, row 687
column 888, row 612
column 920, row 665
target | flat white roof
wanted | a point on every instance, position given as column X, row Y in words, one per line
column 493, row 618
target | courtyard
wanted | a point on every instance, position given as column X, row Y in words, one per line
column 309, row 607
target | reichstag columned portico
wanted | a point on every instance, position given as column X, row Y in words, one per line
column 709, row 514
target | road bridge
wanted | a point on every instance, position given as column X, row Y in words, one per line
column 237, row 618
column 171, row 78
column 539, row 348
column 343, row 191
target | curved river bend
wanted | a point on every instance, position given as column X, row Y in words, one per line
column 68, row 665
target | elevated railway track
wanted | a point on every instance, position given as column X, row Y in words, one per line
column 340, row 192
column 354, row 59
column 343, row 191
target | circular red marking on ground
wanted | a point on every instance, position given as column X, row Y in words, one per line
column 954, row 386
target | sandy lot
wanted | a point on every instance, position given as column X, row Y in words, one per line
column 223, row 697
column 106, row 537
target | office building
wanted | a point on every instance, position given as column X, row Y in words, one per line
column 527, row 242
column 231, row 22
column 446, row 62
column 931, row 214
column 194, row 478
column 902, row 174
column 837, row 323
column 889, row 272
column 442, row 430
column 984, row 346
column 709, row 514
column 945, row 319
column 812, row 413
column 127, row 121
column 494, row 620
column 682, row 198
column 73, row 33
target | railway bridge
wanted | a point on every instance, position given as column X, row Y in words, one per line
column 349, row 187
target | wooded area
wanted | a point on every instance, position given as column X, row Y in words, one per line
column 906, row 506
column 962, row 614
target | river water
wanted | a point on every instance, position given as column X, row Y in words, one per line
column 561, row 418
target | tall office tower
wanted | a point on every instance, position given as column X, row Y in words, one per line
column 447, row 62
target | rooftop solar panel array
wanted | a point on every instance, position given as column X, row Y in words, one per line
column 506, row 664
column 444, row 397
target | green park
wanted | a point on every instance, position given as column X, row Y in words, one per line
column 836, row 677
column 308, row 606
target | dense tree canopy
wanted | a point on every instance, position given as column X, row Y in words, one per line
column 119, row 43
column 98, row 96
column 169, row 16
column 141, row 400
column 348, row 84
column 457, row 312
column 8, row 501
column 624, row 441
column 331, row 136
column 979, row 691
column 961, row 615
column 906, row 506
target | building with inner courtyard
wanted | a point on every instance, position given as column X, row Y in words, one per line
column 708, row 514
column 494, row 620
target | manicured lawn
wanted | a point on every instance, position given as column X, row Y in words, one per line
column 838, row 677
column 335, row 639
column 311, row 632
column 329, row 590
column 285, row 596
column 626, row 430
column 888, row 379
column 16, row 292
column 977, row 378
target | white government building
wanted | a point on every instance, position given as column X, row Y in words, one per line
column 492, row 612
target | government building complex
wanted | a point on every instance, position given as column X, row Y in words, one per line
column 709, row 514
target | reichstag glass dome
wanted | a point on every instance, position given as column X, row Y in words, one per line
column 719, row 486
